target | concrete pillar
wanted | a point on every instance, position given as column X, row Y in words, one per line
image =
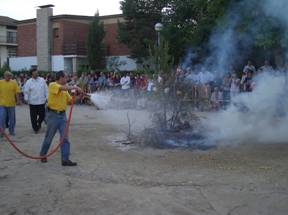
column 74, row 65
column 44, row 37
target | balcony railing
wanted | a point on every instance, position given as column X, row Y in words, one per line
column 75, row 48
column 8, row 40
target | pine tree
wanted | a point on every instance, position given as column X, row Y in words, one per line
column 95, row 45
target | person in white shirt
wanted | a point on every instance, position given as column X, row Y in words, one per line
column 250, row 67
column 266, row 67
column 35, row 94
column 125, row 83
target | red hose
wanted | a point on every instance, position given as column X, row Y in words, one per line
column 55, row 149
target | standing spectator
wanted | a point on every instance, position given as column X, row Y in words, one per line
column 132, row 79
column 226, row 85
column 48, row 79
column 150, row 85
column 247, row 82
column 160, row 79
column 235, row 86
column 250, row 67
column 83, row 80
column 116, row 80
column 216, row 99
column 73, row 80
column 144, row 82
column 267, row 67
column 125, row 83
column 110, row 82
column 102, row 81
column 35, row 94
column 9, row 96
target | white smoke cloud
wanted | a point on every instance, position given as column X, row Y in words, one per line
column 258, row 116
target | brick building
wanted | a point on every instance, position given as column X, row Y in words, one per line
column 56, row 43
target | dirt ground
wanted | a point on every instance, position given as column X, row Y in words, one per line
column 248, row 179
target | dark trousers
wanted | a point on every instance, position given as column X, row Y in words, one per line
column 37, row 115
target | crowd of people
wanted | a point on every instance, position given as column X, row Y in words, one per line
column 204, row 90
column 211, row 93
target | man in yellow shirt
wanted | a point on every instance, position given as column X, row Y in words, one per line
column 9, row 91
column 58, row 98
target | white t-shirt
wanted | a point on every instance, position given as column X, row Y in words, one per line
column 150, row 85
column 125, row 82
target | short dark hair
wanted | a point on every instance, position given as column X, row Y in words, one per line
column 59, row 75
column 33, row 70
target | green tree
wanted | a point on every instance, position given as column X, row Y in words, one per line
column 186, row 23
column 95, row 45
column 137, row 32
column 189, row 23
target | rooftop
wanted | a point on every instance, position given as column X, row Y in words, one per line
column 7, row 21
column 75, row 17
column 46, row 6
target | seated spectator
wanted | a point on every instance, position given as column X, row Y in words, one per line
column 247, row 83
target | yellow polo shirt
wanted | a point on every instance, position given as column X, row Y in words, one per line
column 8, row 93
column 57, row 99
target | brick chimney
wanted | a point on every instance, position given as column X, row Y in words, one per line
column 44, row 37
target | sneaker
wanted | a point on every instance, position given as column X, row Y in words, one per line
column 44, row 160
column 69, row 163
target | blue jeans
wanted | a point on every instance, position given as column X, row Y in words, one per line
column 1, row 116
column 10, row 114
column 56, row 121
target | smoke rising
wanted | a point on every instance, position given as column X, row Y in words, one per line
column 259, row 116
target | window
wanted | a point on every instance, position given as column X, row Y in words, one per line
column 55, row 32
column 12, row 52
column 11, row 37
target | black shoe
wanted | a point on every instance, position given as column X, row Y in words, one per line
column 69, row 163
column 44, row 160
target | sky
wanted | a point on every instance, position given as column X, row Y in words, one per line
column 26, row 9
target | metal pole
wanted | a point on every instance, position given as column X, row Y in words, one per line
column 158, row 38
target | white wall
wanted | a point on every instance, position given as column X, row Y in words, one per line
column 22, row 63
column 25, row 63
column 57, row 63
column 122, row 63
